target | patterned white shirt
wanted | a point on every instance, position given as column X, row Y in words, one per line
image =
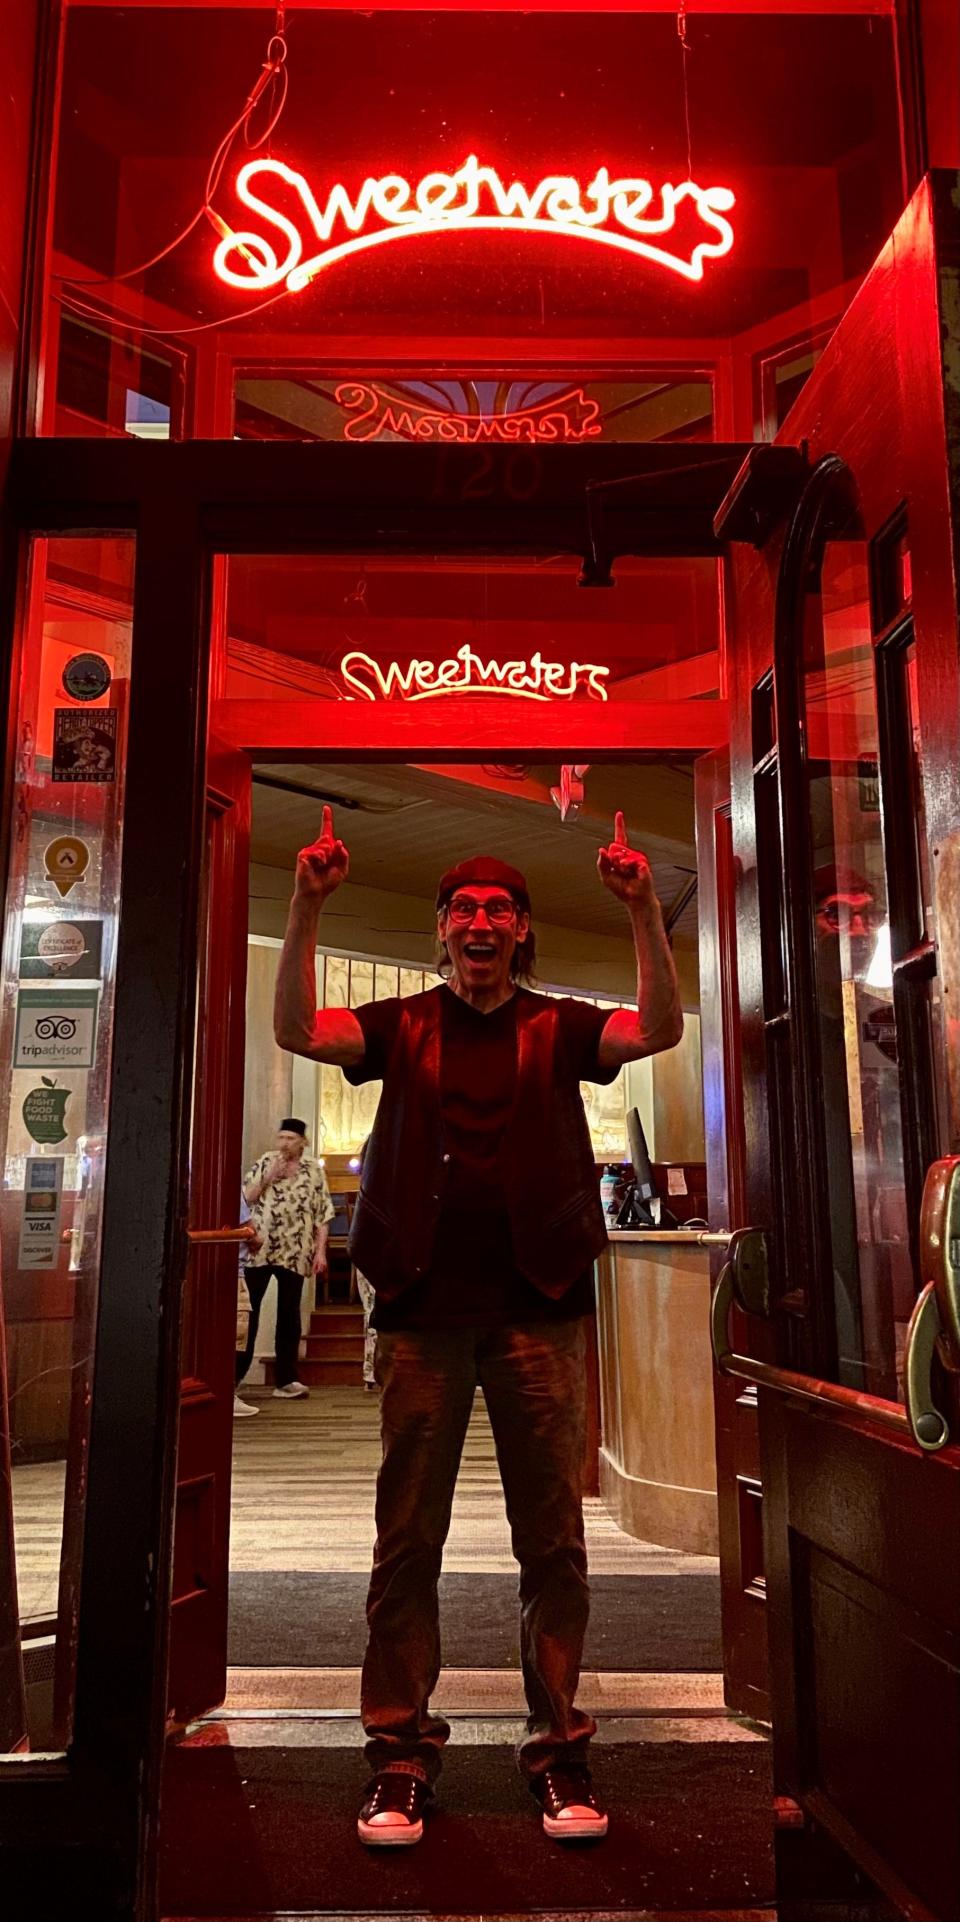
column 288, row 1214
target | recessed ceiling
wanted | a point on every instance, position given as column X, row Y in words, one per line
column 404, row 825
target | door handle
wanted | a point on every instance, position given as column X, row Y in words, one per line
column 744, row 1280
column 202, row 1236
column 935, row 1323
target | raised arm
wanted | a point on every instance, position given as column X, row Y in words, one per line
column 322, row 1034
column 658, row 1021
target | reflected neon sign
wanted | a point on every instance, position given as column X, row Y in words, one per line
column 372, row 413
column 625, row 213
column 466, row 673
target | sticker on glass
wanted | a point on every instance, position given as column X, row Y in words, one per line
column 86, row 677
column 60, row 948
column 40, row 1221
column 84, row 745
column 56, row 1029
column 65, row 862
column 44, row 1112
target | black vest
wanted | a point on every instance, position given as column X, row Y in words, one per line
column 546, row 1158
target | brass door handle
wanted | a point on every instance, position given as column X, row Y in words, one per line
column 202, row 1236
column 935, row 1323
column 743, row 1279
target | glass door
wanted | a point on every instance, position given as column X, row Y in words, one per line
column 846, row 810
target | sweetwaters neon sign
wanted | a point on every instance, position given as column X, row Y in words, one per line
column 466, row 673
column 628, row 214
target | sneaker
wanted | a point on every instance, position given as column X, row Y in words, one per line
column 392, row 1815
column 291, row 1391
column 243, row 1408
column 571, row 1812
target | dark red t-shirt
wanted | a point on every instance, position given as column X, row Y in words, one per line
column 473, row 1279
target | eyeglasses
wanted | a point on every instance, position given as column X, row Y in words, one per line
column 499, row 911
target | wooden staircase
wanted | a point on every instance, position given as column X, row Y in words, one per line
column 334, row 1354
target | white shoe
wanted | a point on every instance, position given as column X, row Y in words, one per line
column 291, row 1391
column 243, row 1408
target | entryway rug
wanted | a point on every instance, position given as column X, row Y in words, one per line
column 644, row 1623
column 251, row 1831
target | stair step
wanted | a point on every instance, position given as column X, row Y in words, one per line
column 336, row 1321
column 323, row 1374
column 335, row 1347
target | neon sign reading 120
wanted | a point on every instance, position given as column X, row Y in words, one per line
column 628, row 214
column 466, row 673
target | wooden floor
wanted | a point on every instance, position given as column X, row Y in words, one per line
column 311, row 1467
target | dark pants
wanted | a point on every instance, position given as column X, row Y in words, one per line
column 289, row 1291
column 533, row 1381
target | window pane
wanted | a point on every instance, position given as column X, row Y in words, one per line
column 60, row 938
column 543, row 409
column 872, row 1272
column 391, row 627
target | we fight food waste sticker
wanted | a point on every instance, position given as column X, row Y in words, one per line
column 56, row 1029
column 44, row 1112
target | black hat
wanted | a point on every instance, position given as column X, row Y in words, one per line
column 293, row 1127
column 487, row 871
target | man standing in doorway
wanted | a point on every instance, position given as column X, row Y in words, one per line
column 290, row 1207
column 478, row 1222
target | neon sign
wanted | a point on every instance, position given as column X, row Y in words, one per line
column 465, row 673
column 569, row 417
column 628, row 214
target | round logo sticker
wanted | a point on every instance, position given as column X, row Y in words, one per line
column 61, row 946
column 86, row 677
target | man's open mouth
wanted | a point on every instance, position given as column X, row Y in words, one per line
column 479, row 950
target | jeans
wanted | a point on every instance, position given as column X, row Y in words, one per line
column 533, row 1382
column 289, row 1291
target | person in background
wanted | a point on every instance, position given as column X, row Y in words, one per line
column 291, row 1208
column 483, row 1277
column 368, row 1298
column 244, row 1310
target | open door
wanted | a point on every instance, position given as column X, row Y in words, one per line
column 845, row 789
column 743, row 1589
column 198, row 1644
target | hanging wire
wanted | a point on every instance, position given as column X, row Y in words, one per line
column 169, row 333
column 272, row 81
column 684, row 50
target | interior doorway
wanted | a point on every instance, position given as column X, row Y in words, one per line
column 403, row 825
column 303, row 1472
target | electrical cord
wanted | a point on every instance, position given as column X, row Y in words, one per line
column 273, row 74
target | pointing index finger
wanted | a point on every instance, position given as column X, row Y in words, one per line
column 620, row 828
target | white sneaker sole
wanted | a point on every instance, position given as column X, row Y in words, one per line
column 575, row 1828
column 390, row 1835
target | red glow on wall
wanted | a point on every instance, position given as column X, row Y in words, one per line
column 570, row 417
column 466, row 673
column 627, row 214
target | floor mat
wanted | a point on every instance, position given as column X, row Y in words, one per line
column 247, row 1831
column 645, row 1623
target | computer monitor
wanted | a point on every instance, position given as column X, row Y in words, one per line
column 639, row 1155
column 637, row 1211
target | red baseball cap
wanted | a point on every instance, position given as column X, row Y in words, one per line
column 484, row 870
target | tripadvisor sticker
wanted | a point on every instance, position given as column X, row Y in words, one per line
column 44, row 1112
